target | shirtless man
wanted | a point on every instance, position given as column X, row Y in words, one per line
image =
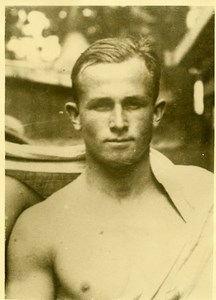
column 116, row 231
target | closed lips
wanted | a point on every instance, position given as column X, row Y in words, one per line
column 119, row 140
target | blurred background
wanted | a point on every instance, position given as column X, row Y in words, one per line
column 43, row 43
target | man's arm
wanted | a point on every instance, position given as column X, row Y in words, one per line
column 18, row 197
column 29, row 260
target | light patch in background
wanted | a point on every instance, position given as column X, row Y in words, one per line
column 51, row 48
column 62, row 14
column 22, row 15
column 87, row 12
column 74, row 44
column 198, row 97
column 37, row 23
column 33, row 47
column 38, row 18
column 193, row 16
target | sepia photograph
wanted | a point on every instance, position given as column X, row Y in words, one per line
column 109, row 152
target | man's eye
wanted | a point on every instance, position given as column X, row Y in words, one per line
column 101, row 107
column 133, row 106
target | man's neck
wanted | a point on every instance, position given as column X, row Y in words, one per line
column 120, row 181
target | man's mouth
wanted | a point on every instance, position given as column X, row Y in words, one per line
column 119, row 140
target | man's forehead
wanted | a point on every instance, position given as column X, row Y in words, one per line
column 131, row 69
column 116, row 81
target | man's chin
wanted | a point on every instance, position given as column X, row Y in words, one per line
column 118, row 159
column 121, row 162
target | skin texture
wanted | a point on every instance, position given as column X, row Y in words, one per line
column 18, row 197
column 98, row 237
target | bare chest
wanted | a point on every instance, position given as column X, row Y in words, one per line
column 106, row 260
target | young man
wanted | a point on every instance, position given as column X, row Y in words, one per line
column 133, row 225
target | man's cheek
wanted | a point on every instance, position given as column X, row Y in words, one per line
column 141, row 127
column 90, row 130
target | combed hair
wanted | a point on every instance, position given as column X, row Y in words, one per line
column 117, row 50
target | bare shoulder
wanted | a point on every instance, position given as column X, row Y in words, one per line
column 39, row 221
column 30, row 254
column 29, row 251
column 29, row 233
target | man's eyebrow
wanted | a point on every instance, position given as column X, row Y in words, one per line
column 99, row 99
column 134, row 97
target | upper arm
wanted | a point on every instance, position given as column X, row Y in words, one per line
column 28, row 262
column 18, row 197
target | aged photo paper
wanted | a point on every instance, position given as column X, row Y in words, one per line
column 43, row 132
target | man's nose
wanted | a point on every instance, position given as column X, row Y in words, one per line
column 118, row 119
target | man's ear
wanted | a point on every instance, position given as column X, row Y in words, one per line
column 159, row 109
column 73, row 112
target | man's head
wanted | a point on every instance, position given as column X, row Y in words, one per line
column 117, row 50
column 115, row 88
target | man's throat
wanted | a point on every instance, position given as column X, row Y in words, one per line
column 122, row 181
